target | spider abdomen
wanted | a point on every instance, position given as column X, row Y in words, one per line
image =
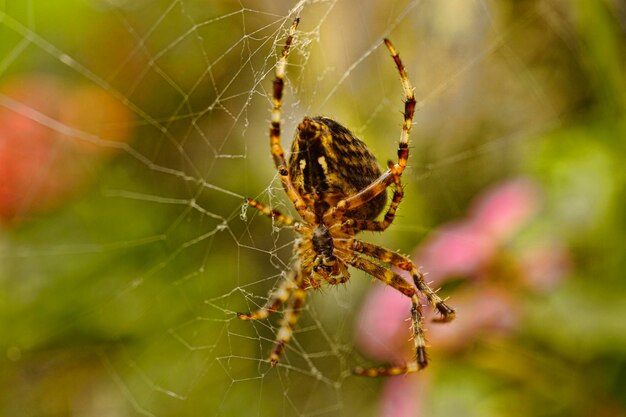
column 328, row 163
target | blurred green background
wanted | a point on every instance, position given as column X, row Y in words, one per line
column 130, row 131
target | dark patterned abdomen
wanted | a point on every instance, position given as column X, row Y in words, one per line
column 328, row 163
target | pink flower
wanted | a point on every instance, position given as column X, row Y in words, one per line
column 473, row 248
column 403, row 396
column 503, row 210
column 465, row 247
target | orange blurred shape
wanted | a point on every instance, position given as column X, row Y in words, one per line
column 53, row 135
column 96, row 113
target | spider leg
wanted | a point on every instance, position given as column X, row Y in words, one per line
column 342, row 278
column 402, row 262
column 389, row 176
column 366, row 194
column 275, row 301
column 292, row 292
column 409, row 109
column 378, row 225
column 274, row 214
column 292, row 314
column 417, row 321
column 278, row 152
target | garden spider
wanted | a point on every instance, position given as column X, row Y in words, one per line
column 338, row 190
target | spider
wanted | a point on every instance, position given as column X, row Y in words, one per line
column 338, row 189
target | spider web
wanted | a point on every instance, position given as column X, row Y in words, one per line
column 159, row 252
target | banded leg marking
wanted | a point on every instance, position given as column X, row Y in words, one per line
column 390, row 215
column 292, row 314
column 277, row 150
column 402, row 262
column 379, row 186
column 274, row 214
column 274, row 302
column 417, row 322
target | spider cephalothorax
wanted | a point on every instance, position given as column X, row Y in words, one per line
column 338, row 189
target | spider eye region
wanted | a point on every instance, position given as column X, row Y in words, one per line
column 329, row 163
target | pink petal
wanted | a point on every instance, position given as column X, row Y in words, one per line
column 382, row 329
column 545, row 265
column 481, row 309
column 455, row 249
column 403, row 396
column 505, row 208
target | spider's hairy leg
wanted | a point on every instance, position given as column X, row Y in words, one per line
column 421, row 360
column 388, row 177
column 447, row 312
column 409, row 108
column 390, row 215
column 277, row 150
column 402, row 262
column 275, row 301
column 277, row 100
column 394, row 280
column 365, row 195
column 292, row 314
column 274, row 214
